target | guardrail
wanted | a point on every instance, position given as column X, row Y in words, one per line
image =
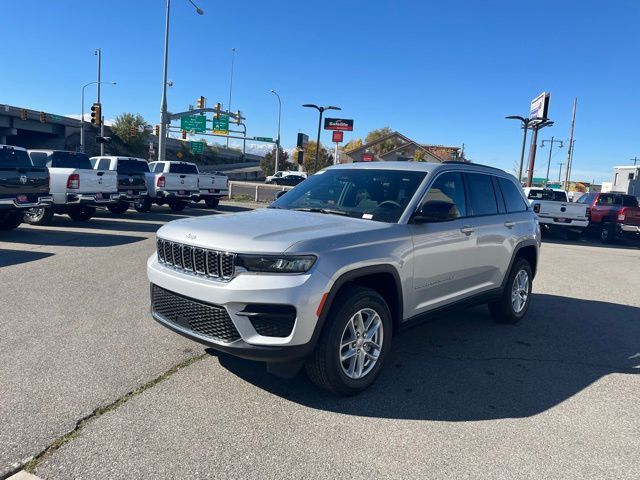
column 260, row 192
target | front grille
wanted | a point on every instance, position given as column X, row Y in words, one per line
column 209, row 320
column 200, row 261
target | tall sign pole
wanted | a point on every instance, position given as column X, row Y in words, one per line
column 99, row 54
column 532, row 155
column 570, row 149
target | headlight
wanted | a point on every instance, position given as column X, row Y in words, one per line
column 275, row 264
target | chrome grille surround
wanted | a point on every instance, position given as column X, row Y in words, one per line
column 196, row 260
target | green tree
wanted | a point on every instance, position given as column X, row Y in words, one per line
column 122, row 128
column 353, row 144
column 325, row 159
column 420, row 155
column 267, row 164
column 385, row 146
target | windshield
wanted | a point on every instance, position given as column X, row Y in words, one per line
column 551, row 195
column 380, row 195
column 69, row 160
column 182, row 168
column 132, row 166
column 13, row 158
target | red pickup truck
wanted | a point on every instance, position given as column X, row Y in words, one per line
column 612, row 215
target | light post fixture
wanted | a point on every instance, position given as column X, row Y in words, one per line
column 525, row 126
column 552, row 141
column 278, row 137
column 321, row 110
column 162, row 139
column 82, row 110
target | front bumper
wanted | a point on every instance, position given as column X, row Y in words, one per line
column 13, row 203
column 303, row 292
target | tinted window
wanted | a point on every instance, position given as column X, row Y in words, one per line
column 380, row 195
column 448, row 191
column 586, row 199
column 182, row 168
column 547, row 194
column 158, row 167
column 482, row 199
column 606, row 199
column 13, row 158
column 512, row 196
column 629, row 201
column 132, row 166
column 69, row 160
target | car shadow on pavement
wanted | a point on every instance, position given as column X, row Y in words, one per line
column 50, row 236
column 16, row 257
column 464, row 367
column 589, row 240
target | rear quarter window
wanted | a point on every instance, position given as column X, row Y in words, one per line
column 512, row 197
column 482, row 197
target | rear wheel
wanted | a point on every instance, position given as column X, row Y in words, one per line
column 81, row 213
column 212, row 202
column 514, row 302
column 142, row 205
column 38, row 216
column 119, row 207
column 10, row 221
column 177, row 205
column 354, row 343
column 607, row 233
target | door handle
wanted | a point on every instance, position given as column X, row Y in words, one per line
column 509, row 224
column 467, row 230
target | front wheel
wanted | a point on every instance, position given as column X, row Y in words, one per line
column 119, row 207
column 10, row 221
column 212, row 202
column 142, row 205
column 38, row 216
column 177, row 205
column 81, row 214
column 354, row 343
column 514, row 302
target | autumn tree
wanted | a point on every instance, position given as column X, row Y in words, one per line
column 325, row 159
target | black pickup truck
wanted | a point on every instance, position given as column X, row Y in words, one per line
column 22, row 186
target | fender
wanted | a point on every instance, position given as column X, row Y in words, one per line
column 530, row 242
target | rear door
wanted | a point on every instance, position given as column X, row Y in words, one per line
column 131, row 174
column 182, row 177
column 19, row 176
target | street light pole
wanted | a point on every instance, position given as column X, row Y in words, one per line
column 233, row 59
column 560, row 171
column 162, row 139
column 321, row 110
column 278, row 137
column 525, row 126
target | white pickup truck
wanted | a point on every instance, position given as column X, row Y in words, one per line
column 132, row 181
column 213, row 186
column 173, row 183
column 76, row 188
column 555, row 211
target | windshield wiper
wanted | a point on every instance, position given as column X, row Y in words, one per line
column 326, row 211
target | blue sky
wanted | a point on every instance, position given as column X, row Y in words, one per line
column 439, row 72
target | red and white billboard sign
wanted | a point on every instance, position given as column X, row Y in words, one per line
column 338, row 136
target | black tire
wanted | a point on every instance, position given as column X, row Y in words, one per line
column 118, row 208
column 81, row 214
column 142, row 205
column 212, row 202
column 38, row 216
column 607, row 233
column 324, row 368
column 177, row 205
column 503, row 310
column 10, row 221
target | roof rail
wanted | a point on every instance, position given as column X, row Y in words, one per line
column 459, row 162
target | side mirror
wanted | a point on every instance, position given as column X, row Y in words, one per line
column 280, row 193
column 436, row 211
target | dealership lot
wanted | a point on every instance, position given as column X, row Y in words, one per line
column 461, row 397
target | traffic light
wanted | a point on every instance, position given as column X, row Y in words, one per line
column 133, row 131
column 96, row 114
column 184, row 134
column 157, row 130
column 238, row 118
column 43, row 117
column 201, row 102
column 218, row 108
column 23, row 114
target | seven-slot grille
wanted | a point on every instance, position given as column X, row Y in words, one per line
column 210, row 263
column 209, row 320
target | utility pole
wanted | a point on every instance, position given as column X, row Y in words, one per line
column 99, row 54
column 635, row 160
column 233, row 59
column 570, row 149
column 560, row 171
column 549, row 162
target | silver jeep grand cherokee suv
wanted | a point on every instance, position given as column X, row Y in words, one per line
column 333, row 269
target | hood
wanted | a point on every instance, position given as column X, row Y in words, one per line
column 264, row 230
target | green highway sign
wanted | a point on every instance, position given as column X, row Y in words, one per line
column 221, row 125
column 197, row 123
column 196, row 147
column 263, row 139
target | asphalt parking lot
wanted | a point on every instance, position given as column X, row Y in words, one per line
column 92, row 387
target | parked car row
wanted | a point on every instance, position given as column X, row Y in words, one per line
column 286, row 178
column 37, row 184
column 612, row 216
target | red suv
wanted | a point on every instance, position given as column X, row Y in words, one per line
column 612, row 215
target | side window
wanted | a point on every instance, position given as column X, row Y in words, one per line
column 103, row 164
column 448, row 193
column 606, row 200
column 512, row 197
column 482, row 198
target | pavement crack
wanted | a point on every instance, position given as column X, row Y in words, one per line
column 31, row 464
